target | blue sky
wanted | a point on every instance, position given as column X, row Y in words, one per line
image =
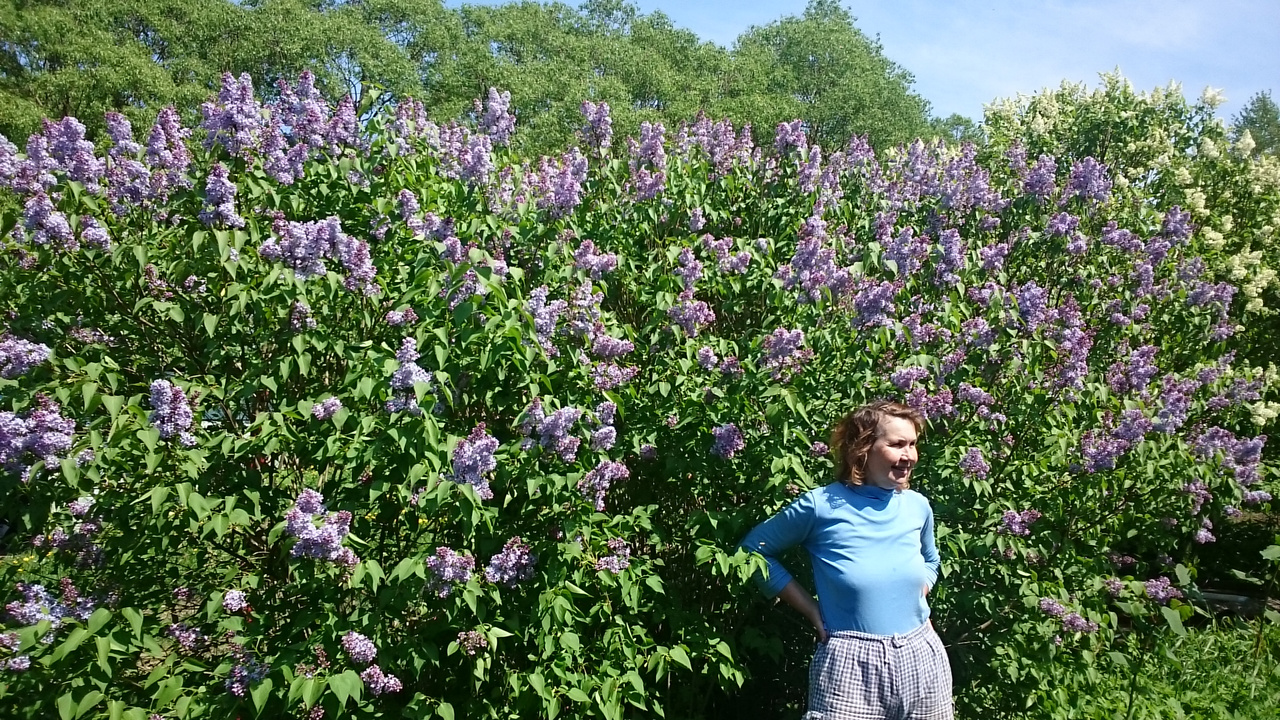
column 965, row 53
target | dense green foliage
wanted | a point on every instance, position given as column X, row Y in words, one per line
column 135, row 56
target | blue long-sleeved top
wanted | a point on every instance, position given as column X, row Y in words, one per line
column 873, row 555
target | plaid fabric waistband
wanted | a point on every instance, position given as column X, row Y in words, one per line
column 922, row 629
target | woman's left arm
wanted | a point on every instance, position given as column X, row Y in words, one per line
column 929, row 549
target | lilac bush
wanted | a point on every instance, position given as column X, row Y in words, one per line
column 358, row 310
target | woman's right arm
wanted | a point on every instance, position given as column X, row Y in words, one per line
column 797, row 597
column 771, row 538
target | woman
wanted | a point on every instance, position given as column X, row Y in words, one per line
column 874, row 561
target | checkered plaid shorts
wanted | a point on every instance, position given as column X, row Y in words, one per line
column 856, row 676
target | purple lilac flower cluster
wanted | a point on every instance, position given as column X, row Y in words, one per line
column 220, row 199
column 974, row 464
column 907, row 378
column 596, row 482
column 80, row 506
column 41, row 432
column 188, row 638
column 584, row 312
column 546, row 316
column 691, row 314
column 234, row 601
column 873, row 303
column 1203, row 534
column 722, row 250
column 607, row 376
column 598, row 132
column 784, row 353
column 471, row 642
column 473, row 459
column 171, row 412
column 790, row 135
column 359, row 648
column 596, row 264
column 304, row 246
column 325, row 541
column 1241, row 456
column 554, row 430
column 245, row 672
column 556, row 186
column 1075, row 622
column 812, row 270
column 728, row 441
column 405, row 377
column 326, row 408
column 496, row 119
column 718, row 144
column 513, row 565
column 606, row 347
column 44, row 224
column 648, row 161
column 449, row 568
column 1199, row 493
column 18, row 356
column 618, row 559
column 380, row 683
column 398, row 318
column 1161, row 590
column 1089, row 181
column 462, row 155
column 235, row 120
column 1052, row 607
column 300, row 318
column 1017, row 523
column 39, row 605
column 605, row 434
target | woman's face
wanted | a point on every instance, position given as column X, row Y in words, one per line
column 894, row 454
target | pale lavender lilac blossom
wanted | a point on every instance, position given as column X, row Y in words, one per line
column 323, row 542
column 359, row 648
column 473, row 459
column 728, row 441
column 448, row 568
column 595, row 484
column 380, row 683
column 326, row 408
column 618, row 559
column 513, row 565
column 18, row 356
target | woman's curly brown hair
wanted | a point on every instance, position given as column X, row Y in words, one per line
column 852, row 438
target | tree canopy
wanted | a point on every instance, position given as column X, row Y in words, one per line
column 137, row 56
column 1261, row 118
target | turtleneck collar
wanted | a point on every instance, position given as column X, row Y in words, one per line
column 871, row 491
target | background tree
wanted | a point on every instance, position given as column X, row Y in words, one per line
column 1261, row 118
column 821, row 68
column 136, row 56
